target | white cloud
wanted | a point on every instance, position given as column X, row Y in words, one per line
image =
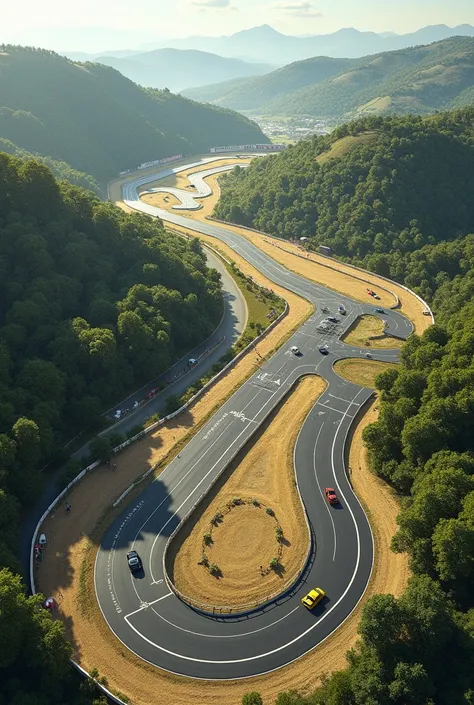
column 211, row 3
column 297, row 8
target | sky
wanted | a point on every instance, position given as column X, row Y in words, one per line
column 120, row 24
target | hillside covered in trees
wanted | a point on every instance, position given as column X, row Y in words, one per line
column 93, row 302
column 99, row 122
column 394, row 195
column 390, row 194
column 420, row 79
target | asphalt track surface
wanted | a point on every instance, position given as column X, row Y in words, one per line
column 142, row 610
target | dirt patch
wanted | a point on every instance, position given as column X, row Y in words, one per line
column 368, row 331
column 361, row 372
column 244, row 542
column 161, row 200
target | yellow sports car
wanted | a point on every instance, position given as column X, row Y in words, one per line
column 313, row 597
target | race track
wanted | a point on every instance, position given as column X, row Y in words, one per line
column 143, row 611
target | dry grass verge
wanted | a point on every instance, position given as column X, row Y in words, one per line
column 245, row 540
column 361, row 372
column 70, row 555
column 368, row 331
column 315, row 267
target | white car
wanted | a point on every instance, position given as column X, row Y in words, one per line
column 295, row 350
column 118, row 415
column 341, row 310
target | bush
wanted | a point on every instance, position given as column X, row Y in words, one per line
column 274, row 563
column 253, row 698
column 207, row 538
column 72, row 469
column 117, row 439
column 154, row 418
column 270, row 511
column 172, row 404
column 279, row 533
column 100, row 449
column 214, row 569
column 134, row 431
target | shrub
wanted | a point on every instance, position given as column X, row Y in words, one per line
column 207, row 538
column 279, row 533
column 236, row 501
column 154, row 418
column 274, row 563
column 214, row 569
column 270, row 511
column 255, row 502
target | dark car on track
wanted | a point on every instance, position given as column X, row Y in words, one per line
column 379, row 310
column 333, row 319
column 134, row 561
column 324, row 350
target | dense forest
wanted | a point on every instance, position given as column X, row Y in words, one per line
column 99, row 122
column 93, row 302
column 419, row 79
column 395, row 198
column 398, row 201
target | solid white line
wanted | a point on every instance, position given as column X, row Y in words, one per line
column 321, row 492
column 224, row 636
column 326, row 406
column 351, row 403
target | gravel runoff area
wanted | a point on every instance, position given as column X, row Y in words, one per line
column 244, row 542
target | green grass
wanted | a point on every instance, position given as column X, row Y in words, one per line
column 345, row 144
column 259, row 304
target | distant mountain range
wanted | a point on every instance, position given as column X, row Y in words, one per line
column 94, row 120
column 265, row 44
column 419, row 80
column 174, row 68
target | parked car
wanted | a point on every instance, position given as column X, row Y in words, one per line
column 295, row 350
column 313, row 597
column 324, row 349
column 342, row 310
column 134, row 561
column 333, row 319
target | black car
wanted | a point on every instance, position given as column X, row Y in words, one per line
column 134, row 561
column 333, row 319
column 324, row 350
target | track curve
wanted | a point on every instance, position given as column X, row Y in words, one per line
column 143, row 612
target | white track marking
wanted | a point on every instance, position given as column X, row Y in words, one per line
column 146, row 605
column 295, row 639
column 321, row 492
column 223, row 636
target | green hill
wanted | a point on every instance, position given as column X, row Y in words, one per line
column 395, row 195
column 417, row 80
column 253, row 93
column 99, row 122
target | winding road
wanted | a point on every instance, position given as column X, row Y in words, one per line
column 142, row 610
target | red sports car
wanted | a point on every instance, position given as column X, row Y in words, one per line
column 331, row 496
